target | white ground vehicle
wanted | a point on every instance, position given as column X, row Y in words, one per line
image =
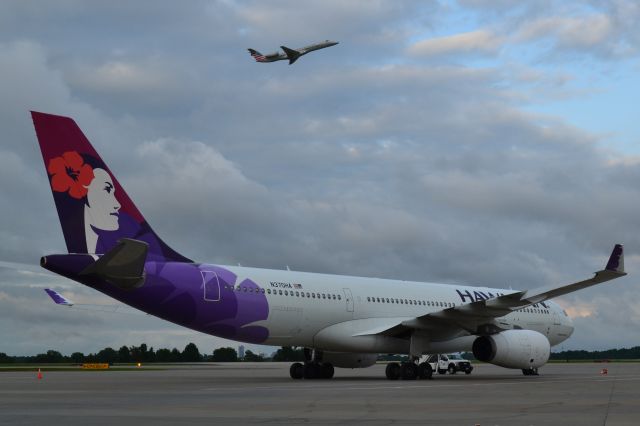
column 451, row 363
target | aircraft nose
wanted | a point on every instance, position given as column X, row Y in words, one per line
column 568, row 323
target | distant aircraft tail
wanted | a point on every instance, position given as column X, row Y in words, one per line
column 292, row 54
column 94, row 210
column 259, row 57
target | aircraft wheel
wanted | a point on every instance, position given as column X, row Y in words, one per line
column 452, row 369
column 296, row 371
column 311, row 370
column 408, row 371
column 326, row 371
column 467, row 371
column 425, row 371
column 442, row 371
column 393, row 371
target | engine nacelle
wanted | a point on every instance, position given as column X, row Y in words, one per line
column 513, row 349
column 349, row 360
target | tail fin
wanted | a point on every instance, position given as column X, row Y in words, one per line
column 293, row 55
column 94, row 210
column 259, row 57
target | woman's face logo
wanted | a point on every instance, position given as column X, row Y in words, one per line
column 102, row 207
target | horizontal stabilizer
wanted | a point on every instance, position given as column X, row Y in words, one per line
column 122, row 266
column 59, row 299
column 292, row 54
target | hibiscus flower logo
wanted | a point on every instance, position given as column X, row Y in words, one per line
column 70, row 173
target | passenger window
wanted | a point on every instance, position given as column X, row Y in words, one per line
column 387, row 300
column 302, row 293
column 268, row 291
column 339, row 297
column 368, row 299
column 313, row 295
column 286, row 293
column 334, row 297
column 262, row 290
column 297, row 294
column 280, row 292
column 318, row 295
column 308, row 295
column 323, row 296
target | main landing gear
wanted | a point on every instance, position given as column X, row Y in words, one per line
column 409, row 371
column 530, row 371
column 313, row 367
column 311, row 370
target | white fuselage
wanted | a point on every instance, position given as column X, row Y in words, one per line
column 344, row 313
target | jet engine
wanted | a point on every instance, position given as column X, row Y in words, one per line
column 349, row 360
column 513, row 349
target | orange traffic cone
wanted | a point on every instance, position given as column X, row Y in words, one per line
column 39, row 374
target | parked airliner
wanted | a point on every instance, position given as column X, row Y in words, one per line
column 289, row 54
column 341, row 321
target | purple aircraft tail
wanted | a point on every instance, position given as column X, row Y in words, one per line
column 94, row 210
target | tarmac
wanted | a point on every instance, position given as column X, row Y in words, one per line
column 263, row 393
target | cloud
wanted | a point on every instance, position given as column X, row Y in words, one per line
column 478, row 42
column 569, row 32
column 361, row 161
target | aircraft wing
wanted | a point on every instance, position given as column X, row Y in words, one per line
column 292, row 54
column 473, row 316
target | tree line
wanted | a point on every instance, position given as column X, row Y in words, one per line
column 625, row 353
column 145, row 354
column 191, row 353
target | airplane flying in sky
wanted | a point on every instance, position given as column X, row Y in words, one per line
column 291, row 54
column 341, row 321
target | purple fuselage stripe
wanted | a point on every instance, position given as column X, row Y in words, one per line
column 175, row 291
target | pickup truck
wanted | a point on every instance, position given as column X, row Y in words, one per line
column 451, row 364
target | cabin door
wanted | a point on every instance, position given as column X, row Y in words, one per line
column 348, row 297
column 210, row 286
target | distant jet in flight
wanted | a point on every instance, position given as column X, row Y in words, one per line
column 291, row 54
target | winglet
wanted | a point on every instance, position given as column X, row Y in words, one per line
column 293, row 55
column 616, row 260
column 60, row 300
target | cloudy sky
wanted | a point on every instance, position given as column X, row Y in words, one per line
column 488, row 142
